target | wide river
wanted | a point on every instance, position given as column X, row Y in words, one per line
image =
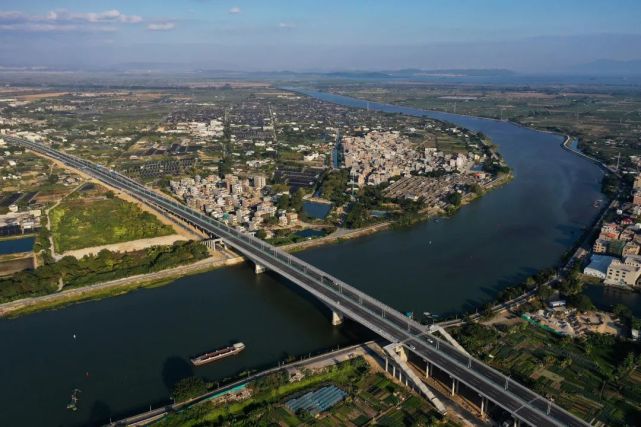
column 128, row 350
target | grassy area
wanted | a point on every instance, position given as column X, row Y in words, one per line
column 97, row 219
column 598, row 376
column 370, row 396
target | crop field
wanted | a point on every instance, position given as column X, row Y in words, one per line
column 595, row 377
column 372, row 399
column 95, row 218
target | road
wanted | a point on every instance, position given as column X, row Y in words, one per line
column 342, row 298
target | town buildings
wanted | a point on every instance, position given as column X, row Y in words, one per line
column 233, row 200
column 624, row 273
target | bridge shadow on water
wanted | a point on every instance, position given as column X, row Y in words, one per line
column 354, row 331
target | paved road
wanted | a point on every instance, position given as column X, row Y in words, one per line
column 389, row 323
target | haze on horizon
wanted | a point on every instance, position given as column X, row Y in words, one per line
column 254, row 35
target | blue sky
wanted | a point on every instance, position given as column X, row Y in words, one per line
column 523, row 35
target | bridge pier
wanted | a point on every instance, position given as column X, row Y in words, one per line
column 454, row 386
column 258, row 269
column 483, row 405
column 428, row 370
column 337, row 318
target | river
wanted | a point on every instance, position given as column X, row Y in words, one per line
column 129, row 349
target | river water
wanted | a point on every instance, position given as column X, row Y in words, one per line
column 128, row 350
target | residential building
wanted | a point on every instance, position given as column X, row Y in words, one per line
column 598, row 266
column 622, row 274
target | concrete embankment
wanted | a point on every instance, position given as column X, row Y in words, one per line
column 566, row 145
column 336, row 237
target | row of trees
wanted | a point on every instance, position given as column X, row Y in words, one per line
column 104, row 266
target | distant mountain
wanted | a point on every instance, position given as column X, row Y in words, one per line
column 609, row 67
column 453, row 72
column 414, row 73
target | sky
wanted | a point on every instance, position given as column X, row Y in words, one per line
column 319, row 35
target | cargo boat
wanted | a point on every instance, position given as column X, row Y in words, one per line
column 212, row 356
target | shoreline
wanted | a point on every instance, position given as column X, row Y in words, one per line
column 125, row 285
column 29, row 305
column 113, row 288
column 122, row 286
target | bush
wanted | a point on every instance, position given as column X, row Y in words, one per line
column 188, row 388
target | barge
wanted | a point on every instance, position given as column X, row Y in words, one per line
column 212, row 356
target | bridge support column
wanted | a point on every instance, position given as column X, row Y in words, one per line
column 386, row 363
column 454, row 386
column 394, row 371
column 337, row 318
column 517, row 422
column 483, row 406
column 258, row 269
column 428, row 370
column 402, row 353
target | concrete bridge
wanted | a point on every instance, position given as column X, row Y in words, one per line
column 345, row 301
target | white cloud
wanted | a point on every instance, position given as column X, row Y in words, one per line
column 64, row 20
column 234, row 10
column 286, row 25
column 161, row 26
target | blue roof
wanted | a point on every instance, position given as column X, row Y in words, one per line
column 600, row 263
column 317, row 401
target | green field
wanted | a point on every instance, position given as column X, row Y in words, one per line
column 90, row 220
column 597, row 376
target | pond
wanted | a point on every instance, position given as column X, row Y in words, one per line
column 316, row 209
column 14, row 246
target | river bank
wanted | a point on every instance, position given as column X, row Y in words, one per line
column 441, row 266
column 112, row 288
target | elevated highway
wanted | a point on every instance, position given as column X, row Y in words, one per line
column 344, row 300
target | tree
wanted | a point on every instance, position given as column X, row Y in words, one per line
column 545, row 292
column 476, row 188
column 455, row 198
column 296, row 202
column 188, row 388
column 283, row 202
column 357, row 216
column 581, row 302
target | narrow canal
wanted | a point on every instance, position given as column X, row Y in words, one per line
column 128, row 350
